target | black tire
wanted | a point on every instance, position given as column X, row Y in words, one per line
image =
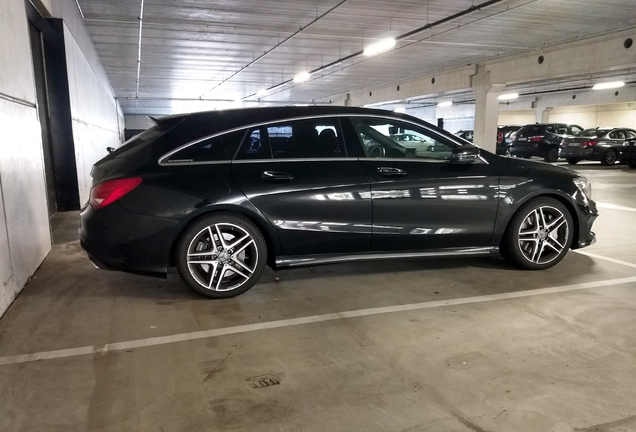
column 631, row 163
column 236, row 259
column 573, row 161
column 552, row 155
column 538, row 235
column 609, row 157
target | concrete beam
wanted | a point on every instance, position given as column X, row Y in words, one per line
column 585, row 57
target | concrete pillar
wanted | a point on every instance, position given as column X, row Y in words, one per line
column 542, row 110
column 486, row 110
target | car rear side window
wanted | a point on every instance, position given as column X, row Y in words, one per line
column 297, row 139
column 215, row 149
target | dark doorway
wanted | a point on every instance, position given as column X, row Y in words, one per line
column 37, row 53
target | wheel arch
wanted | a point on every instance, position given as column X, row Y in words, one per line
column 253, row 215
column 563, row 198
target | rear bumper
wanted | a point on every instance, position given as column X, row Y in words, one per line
column 116, row 239
column 577, row 153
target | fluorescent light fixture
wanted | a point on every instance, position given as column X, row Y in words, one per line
column 261, row 93
column 301, row 104
column 444, row 104
column 379, row 47
column 399, row 110
column 508, row 96
column 301, row 77
column 608, row 85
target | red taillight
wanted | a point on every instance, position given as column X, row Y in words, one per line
column 500, row 137
column 112, row 190
column 536, row 138
column 589, row 143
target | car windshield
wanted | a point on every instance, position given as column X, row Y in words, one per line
column 591, row 133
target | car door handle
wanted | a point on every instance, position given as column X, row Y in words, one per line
column 276, row 176
column 391, row 172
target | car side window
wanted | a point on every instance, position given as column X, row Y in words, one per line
column 617, row 134
column 387, row 138
column 629, row 134
column 575, row 130
column 218, row 148
column 297, row 139
column 307, row 139
column 255, row 145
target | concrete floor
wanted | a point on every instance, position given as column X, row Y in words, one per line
column 441, row 345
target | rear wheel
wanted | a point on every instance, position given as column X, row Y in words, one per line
column 221, row 255
column 552, row 155
column 573, row 161
column 538, row 235
column 609, row 157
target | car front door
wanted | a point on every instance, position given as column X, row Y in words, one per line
column 299, row 176
column 421, row 200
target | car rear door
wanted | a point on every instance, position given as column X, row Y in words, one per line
column 298, row 175
column 421, row 201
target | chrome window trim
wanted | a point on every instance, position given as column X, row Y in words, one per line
column 326, row 159
column 162, row 159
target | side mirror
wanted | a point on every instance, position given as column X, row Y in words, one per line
column 466, row 154
column 110, row 149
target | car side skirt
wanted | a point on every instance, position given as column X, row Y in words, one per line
column 308, row 260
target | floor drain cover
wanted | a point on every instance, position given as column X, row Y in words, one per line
column 263, row 381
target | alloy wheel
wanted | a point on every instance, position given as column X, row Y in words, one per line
column 543, row 235
column 222, row 257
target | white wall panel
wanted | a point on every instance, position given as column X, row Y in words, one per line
column 7, row 285
column 23, row 194
column 97, row 119
column 24, row 225
column 16, row 70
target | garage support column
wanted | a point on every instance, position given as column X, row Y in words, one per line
column 486, row 110
column 541, row 111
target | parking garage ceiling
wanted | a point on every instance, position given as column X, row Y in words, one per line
column 165, row 56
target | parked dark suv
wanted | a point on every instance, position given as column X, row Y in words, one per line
column 221, row 194
column 629, row 152
column 599, row 144
column 541, row 139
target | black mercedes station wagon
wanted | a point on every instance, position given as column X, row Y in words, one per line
column 221, row 194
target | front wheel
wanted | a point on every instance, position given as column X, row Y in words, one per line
column 538, row 235
column 573, row 161
column 631, row 163
column 221, row 255
column 609, row 157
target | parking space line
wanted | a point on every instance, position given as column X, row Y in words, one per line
column 205, row 334
column 614, row 207
column 601, row 257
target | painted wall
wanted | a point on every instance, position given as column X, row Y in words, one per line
column 618, row 115
column 97, row 118
column 24, row 226
column 98, row 121
column 521, row 117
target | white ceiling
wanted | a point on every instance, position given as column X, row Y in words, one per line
column 224, row 50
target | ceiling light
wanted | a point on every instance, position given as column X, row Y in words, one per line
column 608, row 85
column 444, row 104
column 301, row 77
column 399, row 110
column 261, row 93
column 508, row 96
column 379, row 47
